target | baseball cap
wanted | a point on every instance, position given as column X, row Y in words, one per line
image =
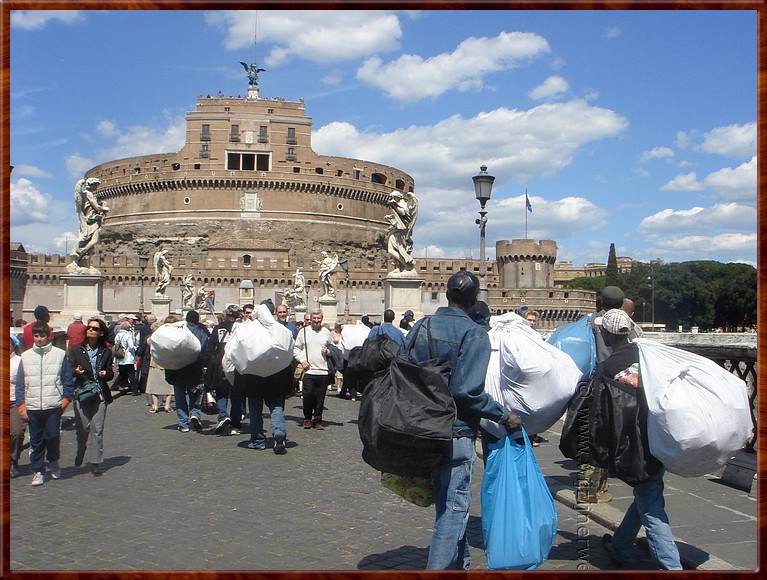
column 612, row 297
column 233, row 310
column 480, row 312
column 41, row 312
column 409, row 313
column 614, row 321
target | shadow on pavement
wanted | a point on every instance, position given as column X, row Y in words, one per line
column 402, row 558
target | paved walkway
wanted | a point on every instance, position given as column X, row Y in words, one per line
column 189, row 501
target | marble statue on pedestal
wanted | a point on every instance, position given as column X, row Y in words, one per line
column 91, row 214
column 327, row 265
column 162, row 271
column 399, row 238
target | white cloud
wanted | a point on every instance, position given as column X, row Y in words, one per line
column 30, row 171
column 722, row 247
column 78, row 165
column 457, row 235
column 134, row 141
column 612, row 32
column 313, row 35
column 551, row 87
column 107, row 129
column 737, row 183
column 656, row 153
column 411, row 77
column 686, row 182
column 514, row 144
column 37, row 19
column 731, row 141
column 28, row 204
column 682, row 139
column 727, row 216
column 333, row 78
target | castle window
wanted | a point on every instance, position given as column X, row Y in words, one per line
column 318, row 170
column 399, row 184
column 291, row 156
column 339, row 172
column 296, row 170
column 204, row 150
column 262, row 134
column 247, row 161
column 357, row 173
column 205, row 133
column 234, row 133
column 197, row 166
column 378, row 178
column 246, row 259
column 291, row 140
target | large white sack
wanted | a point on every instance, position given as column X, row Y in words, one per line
column 534, row 378
column 262, row 347
column 352, row 335
column 699, row 414
column 173, row 346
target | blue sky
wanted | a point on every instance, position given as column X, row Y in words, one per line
column 630, row 127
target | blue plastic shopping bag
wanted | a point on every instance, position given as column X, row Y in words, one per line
column 519, row 520
column 577, row 340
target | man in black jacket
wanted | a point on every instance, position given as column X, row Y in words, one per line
column 215, row 380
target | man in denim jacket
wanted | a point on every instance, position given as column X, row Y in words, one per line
column 457, row 338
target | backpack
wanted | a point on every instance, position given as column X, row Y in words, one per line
column 378, row 351
column 606, row 426
column 407, row 414
column 118, row 350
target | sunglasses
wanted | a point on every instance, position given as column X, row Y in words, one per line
column 96, row 328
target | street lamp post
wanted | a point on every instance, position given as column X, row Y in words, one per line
column 143, row 260
column 344, row 263
column 483, row 187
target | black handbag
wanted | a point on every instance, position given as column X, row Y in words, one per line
column 407, row 414
column 88, row 391
column 606, row 426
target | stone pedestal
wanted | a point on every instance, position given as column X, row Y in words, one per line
column 161, row 307
column 329, row 307
column 299, row 312
column 82, row 293
column 402, row 291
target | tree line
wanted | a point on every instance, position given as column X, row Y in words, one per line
column 707, row 294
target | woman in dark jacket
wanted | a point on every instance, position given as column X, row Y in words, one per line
column 92, row 360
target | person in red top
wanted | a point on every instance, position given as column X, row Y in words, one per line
column 43, row 314
column 75, row 332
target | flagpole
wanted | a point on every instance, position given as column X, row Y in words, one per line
column 526, row 202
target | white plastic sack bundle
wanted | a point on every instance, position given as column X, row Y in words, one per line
column 528, row 375
column 262, row 347
column 698, row 412
column 352, row 335
column 173, row 346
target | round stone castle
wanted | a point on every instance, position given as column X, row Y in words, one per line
column 247, row 177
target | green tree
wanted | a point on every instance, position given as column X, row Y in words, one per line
column 612, row 276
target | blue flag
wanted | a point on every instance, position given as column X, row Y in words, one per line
column 527, row 203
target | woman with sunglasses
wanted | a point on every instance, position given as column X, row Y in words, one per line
column 92, row 361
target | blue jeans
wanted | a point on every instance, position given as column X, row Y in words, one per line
column 452, row 498
column 185, row 405
column 277, row 417
column 44, row 437
column 222, row 403
column 648, row 510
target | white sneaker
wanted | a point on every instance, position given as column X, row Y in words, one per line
column 235, row 431
column 55, row 470
column 37, row 479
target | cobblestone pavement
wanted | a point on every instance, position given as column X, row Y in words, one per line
column 198, row 501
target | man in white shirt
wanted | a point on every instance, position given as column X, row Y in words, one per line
column 311, row 351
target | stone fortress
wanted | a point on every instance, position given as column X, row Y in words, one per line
column 247, row 202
